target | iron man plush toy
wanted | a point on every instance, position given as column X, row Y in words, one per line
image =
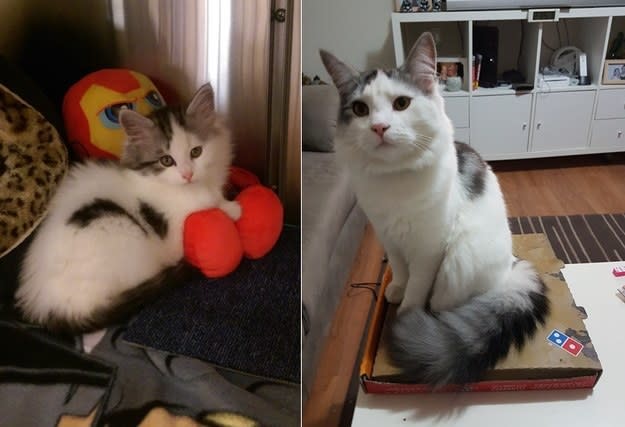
column 91, row 106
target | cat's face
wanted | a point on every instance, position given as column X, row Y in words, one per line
column 177, row 146
column 390, row 116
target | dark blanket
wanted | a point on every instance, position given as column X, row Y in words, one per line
column 43, row 378
column 248, row 321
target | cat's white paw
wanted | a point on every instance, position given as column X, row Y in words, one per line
column 206, row 200
column 232, row 209
column 394, row 293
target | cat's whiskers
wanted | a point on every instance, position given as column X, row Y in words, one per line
column 421, row 142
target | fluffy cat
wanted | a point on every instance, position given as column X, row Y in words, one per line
column 113, row 234
column 439, row 212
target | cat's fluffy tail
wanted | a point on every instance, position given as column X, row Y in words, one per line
column 458, row 346
column 121, row 307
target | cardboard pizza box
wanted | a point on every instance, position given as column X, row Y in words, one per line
column 560, row 356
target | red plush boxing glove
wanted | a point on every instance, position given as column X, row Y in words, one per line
column 261, row 220
column 212, row 242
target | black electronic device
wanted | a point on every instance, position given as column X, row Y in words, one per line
column 486, row 43
column 543, row 15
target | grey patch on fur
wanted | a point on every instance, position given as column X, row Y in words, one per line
column 155, row 219
column 98, row 209
column 143, row 155
column 392, row 73
column 149, row 167
column 163, row 118
column 346, row 113
column 403, row 76
column 472, row 170
column 458, row 346
column 369, row 76
column 348, row 82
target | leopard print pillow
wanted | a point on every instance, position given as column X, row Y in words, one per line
column 33, row 160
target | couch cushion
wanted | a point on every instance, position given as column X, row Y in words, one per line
column 320, row 104
column 332, row 228
column 325, row 208
column 33, row 159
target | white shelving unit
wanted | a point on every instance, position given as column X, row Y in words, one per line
column 543, row 122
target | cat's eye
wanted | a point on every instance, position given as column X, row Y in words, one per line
column 401, row 103
column 195, row 152
column 167, row 161
column 360, row 108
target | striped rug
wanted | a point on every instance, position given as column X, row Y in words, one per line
column 578, row 238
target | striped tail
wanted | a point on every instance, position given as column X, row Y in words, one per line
column 460, row 345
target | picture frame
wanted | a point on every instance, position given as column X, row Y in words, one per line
column 614, row 72
column 452, row 73
column 451, row 67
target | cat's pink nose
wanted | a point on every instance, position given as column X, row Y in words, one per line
column 380, row 128
column 187, row 176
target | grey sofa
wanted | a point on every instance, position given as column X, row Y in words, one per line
column 332, row 225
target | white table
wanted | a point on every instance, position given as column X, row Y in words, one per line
column 593, row 286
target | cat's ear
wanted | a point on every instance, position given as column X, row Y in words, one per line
column 344, row 77
column 420, row 63
column 201, row 111
column 203, row 102
column 138, row 128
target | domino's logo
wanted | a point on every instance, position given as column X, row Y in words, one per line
column 566, row 343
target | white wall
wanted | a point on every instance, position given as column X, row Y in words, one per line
column 357, row 31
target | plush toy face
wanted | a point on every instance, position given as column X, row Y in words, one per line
column 91, row 108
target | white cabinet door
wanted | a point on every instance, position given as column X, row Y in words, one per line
column 562, row 120
column 457, row 110
column 608, row 134
column 611, row 104
column 500, row 124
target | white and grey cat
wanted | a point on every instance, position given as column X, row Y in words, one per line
column 439, row 212
column 113, row 234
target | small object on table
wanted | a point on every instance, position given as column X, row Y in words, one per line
column 619, row 271
column 621, row 292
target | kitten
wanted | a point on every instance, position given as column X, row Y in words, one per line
column 113, row 234
column 438, row 210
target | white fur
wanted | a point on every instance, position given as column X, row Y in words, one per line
column 409, row 189
column 70, row 272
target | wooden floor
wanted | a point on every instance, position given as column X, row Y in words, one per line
column 563, row 186
column 559, row 186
